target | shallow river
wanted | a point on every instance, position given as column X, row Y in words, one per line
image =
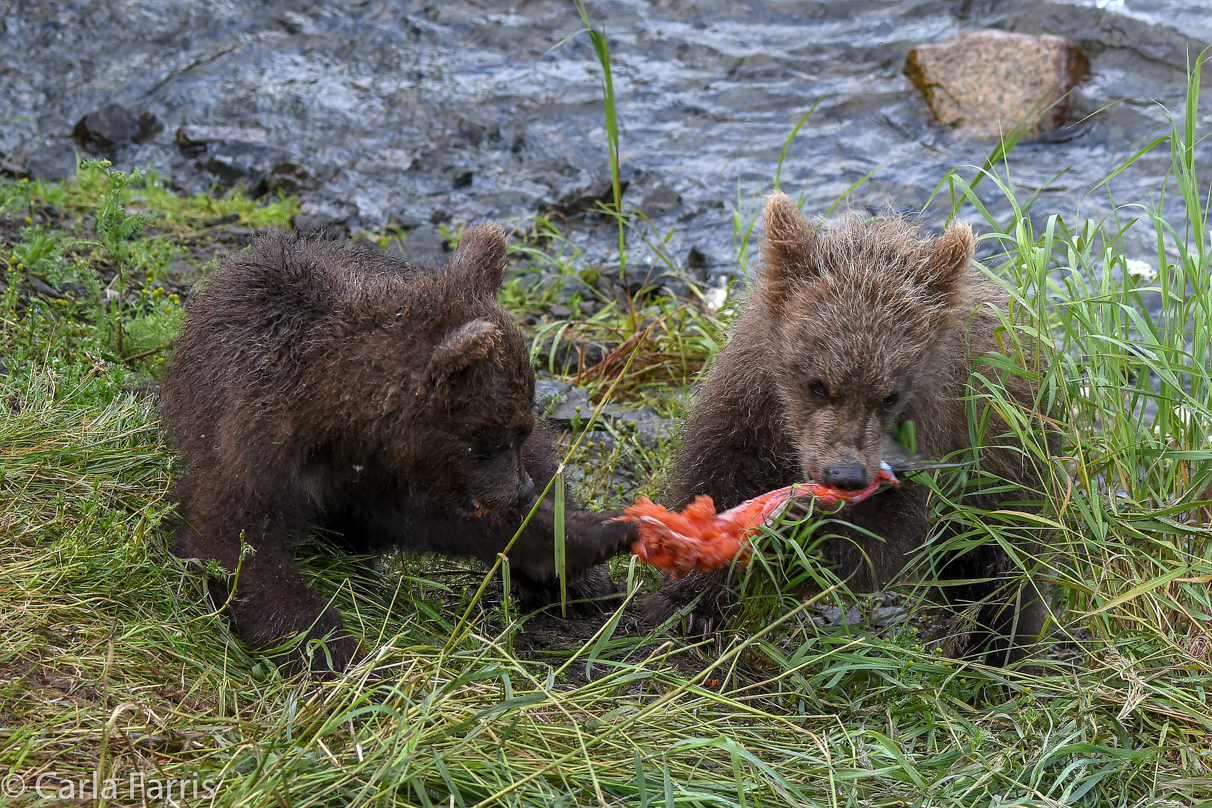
column 463, row 110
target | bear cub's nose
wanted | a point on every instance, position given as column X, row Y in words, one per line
column 847, row 476
column 526, row 488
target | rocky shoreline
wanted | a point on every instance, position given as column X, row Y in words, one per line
column 415, row 116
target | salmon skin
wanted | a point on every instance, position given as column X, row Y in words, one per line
column 697, row 538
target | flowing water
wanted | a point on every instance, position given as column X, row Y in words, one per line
column 418, row 112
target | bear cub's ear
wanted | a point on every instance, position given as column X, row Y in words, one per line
column 465, row 346
column 787, row 250
column 948, row 260
column 480, row 259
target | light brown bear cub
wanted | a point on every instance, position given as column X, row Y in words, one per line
column 319, row 384
column 855, row 327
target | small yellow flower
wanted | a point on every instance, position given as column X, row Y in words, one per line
column 28, row 220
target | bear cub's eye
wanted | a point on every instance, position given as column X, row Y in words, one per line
column 818, row 388
column 890, row 400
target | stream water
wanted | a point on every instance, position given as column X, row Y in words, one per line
column 420, row 112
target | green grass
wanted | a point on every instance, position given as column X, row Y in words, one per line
column 112, row 660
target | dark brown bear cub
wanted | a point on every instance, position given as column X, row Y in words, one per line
column 856, row 327
column 318, row 384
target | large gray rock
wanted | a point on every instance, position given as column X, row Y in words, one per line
column 197, row 137
column 114, row 127
column 986, row 82
column 565, row 406
column 54, row 161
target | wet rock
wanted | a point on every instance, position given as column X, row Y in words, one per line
column 367, row 92
column 564, row 404
column 292, row 22
column 149, row 127
column 659, row 200
column 833, row 616
column 321, row 222
column 425, row 245
column 1158, row 39
column 288, row 178
column 464, row 133
column 474, row 133
column 237, row 155
column 560, row 311
column 696, row 259
column 583, row 193
column 548, row 392
column 53, row 161
column 573, row 287
column 196, row 138
column 186, row 182
column 986, row 82
column 251, row 163
column 232, row 154
column 884, row 616
column 404, row 221
column 601, row 439
column 113, row 127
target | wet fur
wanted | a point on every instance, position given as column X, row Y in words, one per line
column 320, row 384
column 864, row 310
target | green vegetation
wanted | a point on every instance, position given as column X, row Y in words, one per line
column 112, row 660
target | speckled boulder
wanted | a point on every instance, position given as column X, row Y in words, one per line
column 986, row 82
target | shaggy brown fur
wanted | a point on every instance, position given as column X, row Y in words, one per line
column 854, row 328
column 315, row 383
